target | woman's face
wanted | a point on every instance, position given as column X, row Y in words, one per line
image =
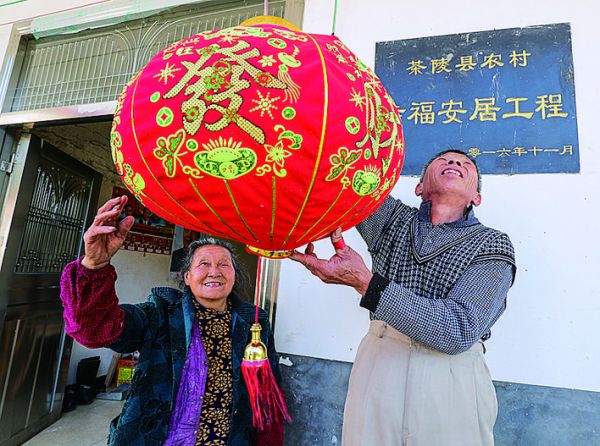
column 211, row 276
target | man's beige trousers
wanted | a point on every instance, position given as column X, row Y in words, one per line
column 402, row 393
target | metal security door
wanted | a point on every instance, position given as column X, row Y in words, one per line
column 52, row 206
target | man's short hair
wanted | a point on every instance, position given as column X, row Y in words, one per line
column 452, row 151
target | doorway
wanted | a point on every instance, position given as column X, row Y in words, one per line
column 50, row 200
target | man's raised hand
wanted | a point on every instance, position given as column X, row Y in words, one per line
column 345, row 267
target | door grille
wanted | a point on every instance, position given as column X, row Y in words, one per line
column 54, row 222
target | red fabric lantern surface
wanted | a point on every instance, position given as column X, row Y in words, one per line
column 259, row 134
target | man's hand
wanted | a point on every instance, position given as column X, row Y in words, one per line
column 346, row 267
column 106, row 234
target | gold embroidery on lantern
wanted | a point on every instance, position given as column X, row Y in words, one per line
column 277, row 43
column 377, row 118
column 134, row 180
column 384, row 187
column 267, row 61
column 352, row 125
column 117, row 154
column 265, row 104
column 180, row 47
column 167, row 72
column 380, row 121
column 292, row 92
column 228, row 39
column 237, row 31
column 169, row 151
column 366, row 181
column 277, row 153
column 220, row 84
column 116, row 143
column 341, row 162
column 358, row 99
column 192, row 171
column 164, row 117
column 336, row 52
column 290, row 35
column 225, row 159
column 288, row 113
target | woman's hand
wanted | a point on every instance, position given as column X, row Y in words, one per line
column 106, row 234
column 345, row 267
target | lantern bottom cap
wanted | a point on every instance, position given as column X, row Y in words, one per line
column 271, row 254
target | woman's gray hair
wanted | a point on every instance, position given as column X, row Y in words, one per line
column 242, row 279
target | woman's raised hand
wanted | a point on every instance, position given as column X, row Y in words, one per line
column 106, row 234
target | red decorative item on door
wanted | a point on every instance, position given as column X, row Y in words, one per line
column 259, row 134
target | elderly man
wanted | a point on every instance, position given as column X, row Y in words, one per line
column 439, row 282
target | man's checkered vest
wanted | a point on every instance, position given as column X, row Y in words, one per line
column 396, row 258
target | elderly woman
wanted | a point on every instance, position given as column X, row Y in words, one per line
column 187, row 388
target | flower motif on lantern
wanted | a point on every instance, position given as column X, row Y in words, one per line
column 278, row 153
column 341, row 162
column 267, row 61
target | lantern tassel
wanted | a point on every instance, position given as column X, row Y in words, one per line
column 266, row 398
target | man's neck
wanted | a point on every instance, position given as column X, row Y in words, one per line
column 445, row 211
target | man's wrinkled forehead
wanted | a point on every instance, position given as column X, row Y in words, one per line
column 453, row 155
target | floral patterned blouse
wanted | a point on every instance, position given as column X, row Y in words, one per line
column 215, row 418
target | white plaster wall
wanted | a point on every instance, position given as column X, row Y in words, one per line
column 548, row 335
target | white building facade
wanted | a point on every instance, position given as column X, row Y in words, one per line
column 542, row 353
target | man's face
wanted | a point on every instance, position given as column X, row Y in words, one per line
column 211, row 276
column 451, row 175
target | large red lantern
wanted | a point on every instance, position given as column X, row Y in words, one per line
column 259, row 134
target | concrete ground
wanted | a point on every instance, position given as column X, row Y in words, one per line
column 84, row 426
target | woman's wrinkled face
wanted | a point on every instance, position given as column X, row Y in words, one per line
column 211, row 276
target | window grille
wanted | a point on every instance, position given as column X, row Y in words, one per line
column 93, row 66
